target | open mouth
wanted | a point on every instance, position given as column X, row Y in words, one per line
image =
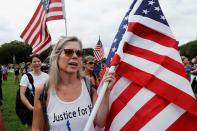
column 73, row 63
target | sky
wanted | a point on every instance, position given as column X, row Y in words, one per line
column 89, row 19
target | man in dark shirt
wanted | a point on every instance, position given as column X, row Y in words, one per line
column 1, row 94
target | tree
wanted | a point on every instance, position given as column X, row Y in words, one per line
column 45, row 55
column 87, row 51
column 15, row 48
column 189, row 50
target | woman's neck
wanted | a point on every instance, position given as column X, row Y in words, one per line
column 88, row 72
column 68, row 79
column 36, row 72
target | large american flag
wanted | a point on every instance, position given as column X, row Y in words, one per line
column 98, row 51
column 118, row 36
column 151, row 92
column 36, row 32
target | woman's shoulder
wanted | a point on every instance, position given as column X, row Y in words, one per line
column 44, row 74
column 24, row 77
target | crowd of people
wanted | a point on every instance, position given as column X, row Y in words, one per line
column 190, row 66
column 65, row 86
column 191, row 71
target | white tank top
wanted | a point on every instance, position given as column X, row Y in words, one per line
column 69, row 116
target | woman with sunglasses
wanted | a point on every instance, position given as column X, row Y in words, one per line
column 88, row 65
column 68, row 102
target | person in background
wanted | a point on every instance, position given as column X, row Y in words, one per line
column 194, row 66
column 39, row 77
column 26, row 68
column 68, row 102
column 2, row 127
column 97, row 70
column 194, row 75
column 5, row 72
column 17, row 73
column 88, row 65
column 187, row 66
column 1, row 93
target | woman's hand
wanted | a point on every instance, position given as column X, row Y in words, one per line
column 32, row 108
column 110, row 77
column 102, row 113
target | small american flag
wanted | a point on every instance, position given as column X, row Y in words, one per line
column 98, row 51
column 151, row 92
column 36, row 32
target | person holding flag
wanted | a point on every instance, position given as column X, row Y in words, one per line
column 68, row 101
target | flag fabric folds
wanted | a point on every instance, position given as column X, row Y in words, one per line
column 36, row 32
column 98, row 51
column 151, row 92
column 118, row 37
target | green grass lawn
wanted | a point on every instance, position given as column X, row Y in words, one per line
column 11, row 121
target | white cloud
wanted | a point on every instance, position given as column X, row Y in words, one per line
column 181, row 16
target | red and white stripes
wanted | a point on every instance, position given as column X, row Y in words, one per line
column 152, row 92
column 36, row 33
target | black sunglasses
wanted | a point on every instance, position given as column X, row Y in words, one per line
column 91, row 62
column 70, row 52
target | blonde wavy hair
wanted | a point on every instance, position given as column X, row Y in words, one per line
column 54, row 71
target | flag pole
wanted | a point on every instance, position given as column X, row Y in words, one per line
column 64, row 13
column 98, row 102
